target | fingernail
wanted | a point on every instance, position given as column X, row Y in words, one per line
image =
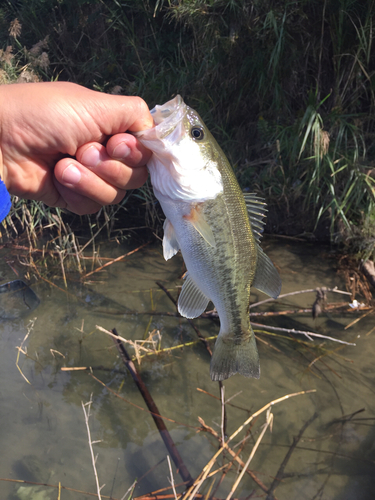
column 90, row 157
column 121, row 151
column 71, row 175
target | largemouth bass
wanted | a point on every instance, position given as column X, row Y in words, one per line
column 216, row 227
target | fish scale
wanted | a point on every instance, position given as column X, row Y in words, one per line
column 210, row 221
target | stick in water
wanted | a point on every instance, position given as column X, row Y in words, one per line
column 162, row 428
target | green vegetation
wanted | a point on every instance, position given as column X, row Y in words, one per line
column 287, row 88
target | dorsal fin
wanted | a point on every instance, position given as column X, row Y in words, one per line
column 266, row 278
column 256, row 209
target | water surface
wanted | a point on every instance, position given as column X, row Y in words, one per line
column 43, row 436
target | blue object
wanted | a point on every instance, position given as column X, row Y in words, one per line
column 5, row 202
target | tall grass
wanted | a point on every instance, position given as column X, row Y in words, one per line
column 286, row 87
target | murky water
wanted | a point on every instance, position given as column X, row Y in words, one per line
column 43, row 436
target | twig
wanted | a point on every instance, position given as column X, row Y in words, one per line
column 151, row 496
column 130, row 490
column 346, row 418
column 329, row 307
column 234, row 454
column 310, row 290
column 269, row 420
column 226, row 402
column 223, row 415
column 113, row 261
column 193, row 490
column 359, row 319
column 162, row 428
column 30, row 326
column 90, row 369
column 280, row 472
column 93, row 458
column 302, row 332
column 55, row 486
column 171, row 480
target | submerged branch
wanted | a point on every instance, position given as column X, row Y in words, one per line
column 137, row 406
column 162, row 428
column 280, row 473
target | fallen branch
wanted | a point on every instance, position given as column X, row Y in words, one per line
column 162, row 428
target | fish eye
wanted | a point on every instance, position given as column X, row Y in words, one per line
column 197, row 133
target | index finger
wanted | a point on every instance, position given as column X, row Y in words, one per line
column 121, row 113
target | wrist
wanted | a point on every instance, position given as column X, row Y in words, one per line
column 5, row 202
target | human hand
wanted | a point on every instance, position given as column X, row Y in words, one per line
column 52, row 138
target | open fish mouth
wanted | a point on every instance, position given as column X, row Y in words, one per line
column 167, row 111
column 168, row 118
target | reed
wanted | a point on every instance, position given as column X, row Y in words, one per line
column 286, row 88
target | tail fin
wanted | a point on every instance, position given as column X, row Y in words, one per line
column 230, row 357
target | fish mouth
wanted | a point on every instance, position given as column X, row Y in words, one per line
column 167, row 118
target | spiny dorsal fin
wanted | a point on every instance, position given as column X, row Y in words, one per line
column 266, row 278
column 256, row 209
column 170, row 243
column 191, row 302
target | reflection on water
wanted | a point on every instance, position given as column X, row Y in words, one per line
column 43, row 436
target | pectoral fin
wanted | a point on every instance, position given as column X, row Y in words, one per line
column 266, row 279
column 170, row 243
column 196, row 218
column 191, row 302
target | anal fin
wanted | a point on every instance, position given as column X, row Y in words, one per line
column 192, row 302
